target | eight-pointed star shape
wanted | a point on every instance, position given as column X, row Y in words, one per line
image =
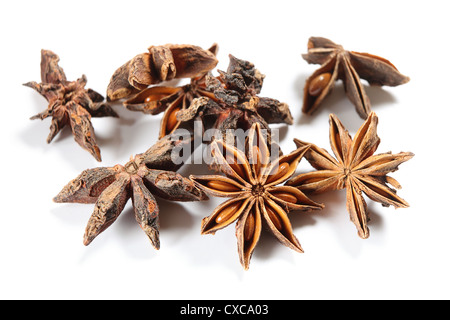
column 251, row 181
column 355, row 168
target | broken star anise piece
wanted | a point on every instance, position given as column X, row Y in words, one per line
column 161, row 63
column 349, row 66
column 251, row 181
column 69, row 103
column 236, row 103
column 170, row 100
column 144, row 176
column 355, row 168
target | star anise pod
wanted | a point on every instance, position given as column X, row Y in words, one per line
column 251, row 181
column 161, row 63
column 145, row 175
column 170, row 100
column 349, row 66
column 236, row 103
column 355, row 168
column 69, row 103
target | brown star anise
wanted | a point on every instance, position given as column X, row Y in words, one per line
column 157, row 99
column 355, row 168
column 350, row 66
column 147, row 174
column 161, row 63
column 251, row 180
column 69, row 103
column 236, row 103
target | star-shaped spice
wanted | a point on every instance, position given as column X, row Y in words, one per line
column 144, row 176
column 355, row 168
column 251, row 181
column 170, row 100
column 236, row 103
column 349, row 66
column 161, row 63
column 69, row 103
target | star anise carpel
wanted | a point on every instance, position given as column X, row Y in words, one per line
column 354, row 168
column 169, row 100
column 69, row 104
column 146, row 175
column 251, row 179
column 349, row 66
column 236, row 103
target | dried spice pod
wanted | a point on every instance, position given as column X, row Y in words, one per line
column 255, row 197
column 236, row 103
column 161, row 63
column 69, row 104
column 170, row 100
column 349, row 66
column 145, row 175
column 355, row 168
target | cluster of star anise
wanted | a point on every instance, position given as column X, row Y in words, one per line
column 258, row 179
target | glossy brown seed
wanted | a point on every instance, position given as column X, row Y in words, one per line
column 238, row 168
column 172, row 120
column 319, row 83
column 274, row 218
column 227, row 212
column 286, row 197
column 282, row 170
column 154, row 97
column 222, row 186
column 256, row 158
column 249, row 228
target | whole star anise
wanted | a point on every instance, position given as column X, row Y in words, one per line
column 161, row 63
column 355, row 168
column 350, row 66
column 69, row 103
column 251, row 181
column 147, row 174
column 236, row 103
column 170, row 100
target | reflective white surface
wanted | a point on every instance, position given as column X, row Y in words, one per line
column 42, row 255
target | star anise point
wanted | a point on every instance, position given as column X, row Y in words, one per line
column 350, row 66
column 251, row 180
column 354, row 168
column 143, row 177
column 69, row 104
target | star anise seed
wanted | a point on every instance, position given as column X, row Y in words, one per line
column 170, row 100
column 69, row 103
column 251, row 180
column 161, row 63
column 355, row 168
column 144, row 176
column 349, row 66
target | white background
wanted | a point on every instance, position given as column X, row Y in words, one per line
column 41, row 250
